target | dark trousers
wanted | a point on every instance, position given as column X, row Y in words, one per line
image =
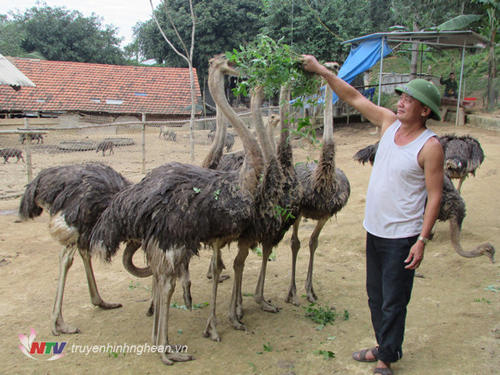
column 389, row 287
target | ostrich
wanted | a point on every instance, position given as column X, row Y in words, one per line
column 326, row 191
column 463, row 155
column 177, row 207
column 452, row 209
column 74, row 196
column 280, row 185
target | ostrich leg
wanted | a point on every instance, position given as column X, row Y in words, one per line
column 165, row 288
column 313, row 244
column 295, row 245
column 186, row 285
column 259, row 290
column 211, row 329
column 235, row 306
column 94, row 292
column 65, row 262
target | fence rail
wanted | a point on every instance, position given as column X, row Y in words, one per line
column 138, row 147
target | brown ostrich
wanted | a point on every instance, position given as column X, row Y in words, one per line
column 462, row 156
column 326, row 191
column 452, row 209
column 75, row 196
column 176, row 208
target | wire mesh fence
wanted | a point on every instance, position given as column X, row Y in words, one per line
column 131, row 148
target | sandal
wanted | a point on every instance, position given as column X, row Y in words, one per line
column 383, row 371
column 361, row 355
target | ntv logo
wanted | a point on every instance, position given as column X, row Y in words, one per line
column 29, row 347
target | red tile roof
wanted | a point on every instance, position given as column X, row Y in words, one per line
column 72, row 86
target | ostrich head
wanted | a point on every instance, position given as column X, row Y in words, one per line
column 273, row 121
column 333, row 66
column 455, row 166
column 488, row 250
column 222, row 64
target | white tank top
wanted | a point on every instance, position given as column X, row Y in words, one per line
column 395, row 200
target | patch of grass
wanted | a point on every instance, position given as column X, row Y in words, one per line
column 327, row 354
column 268, row 347
column 482, row 300
column 196, row 306
column 321, row 315
column 133, row 286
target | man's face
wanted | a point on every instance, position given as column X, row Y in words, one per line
column 452, row 76
column 409, row 108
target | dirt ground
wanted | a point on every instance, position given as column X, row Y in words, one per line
column 453, row 324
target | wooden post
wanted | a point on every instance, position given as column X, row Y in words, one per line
column 144, row 143
column 29, row 164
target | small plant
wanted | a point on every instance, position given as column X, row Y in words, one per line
column 133, row 286
column 286, row 212
column 112, row 354
column 268, row 347
column 346, row 314
column 492, row 288
column 197, row 306
column 327, row 354
column 248, row 294
column 254, row 368
column 196, row 190
column 321, row 315
column 216, row 194
column 482, row 300
column 258, row 252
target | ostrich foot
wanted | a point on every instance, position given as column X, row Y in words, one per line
column 210, row 330
column 311, row 296
column 60, row 327
column 222, row 278
column 108, row 306
column 237, row 323
column 170, row 358
column 267, row 305
column 292, row 298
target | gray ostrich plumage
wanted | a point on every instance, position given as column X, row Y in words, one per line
column 176, row 208
column 452, row 209
column 74, row 196
column 462, row 156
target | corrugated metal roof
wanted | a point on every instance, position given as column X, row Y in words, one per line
column 10, row 75
column 436, row 39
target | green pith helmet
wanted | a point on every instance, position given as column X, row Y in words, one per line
column 425, row 92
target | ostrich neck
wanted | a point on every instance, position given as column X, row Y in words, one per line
column 253, row 153
column 328, row 120
column 285, row 148
column 262, row 134
column 455, row 241
column 215, row 154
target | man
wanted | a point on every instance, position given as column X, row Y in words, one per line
column 402, row 204
column 451, row 86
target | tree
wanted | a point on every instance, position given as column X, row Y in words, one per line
column 11, row 37
column 317, row 27
column 490, row 30
column 186, row 55
column 221, row 26
column 63, row 35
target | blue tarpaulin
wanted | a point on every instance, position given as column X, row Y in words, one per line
column 361, row 58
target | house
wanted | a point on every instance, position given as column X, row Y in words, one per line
column 99, row 93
